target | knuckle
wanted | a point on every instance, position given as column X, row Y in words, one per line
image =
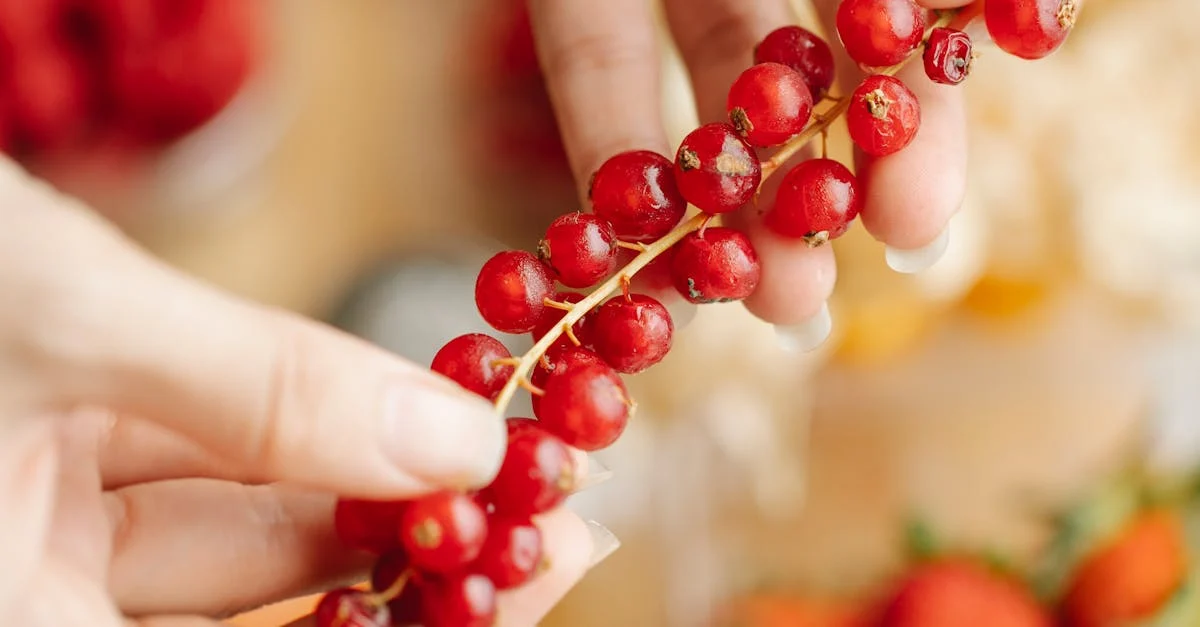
column 590, row 53
column 284, row 424
column 726, row 36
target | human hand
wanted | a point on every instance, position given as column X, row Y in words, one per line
column 168, row 453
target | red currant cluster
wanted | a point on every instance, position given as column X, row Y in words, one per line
column 444, row 556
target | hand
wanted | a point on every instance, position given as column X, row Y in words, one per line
column 602, row 70
column 169, row 453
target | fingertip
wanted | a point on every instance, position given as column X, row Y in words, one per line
column 572, row 547
column 796, row 279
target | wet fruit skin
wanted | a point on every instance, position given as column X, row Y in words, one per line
column 716, row 264
column 1131, row 576
column 537, row 473
column 958, row 593
column 580, row 248
column 368, row 525
column 470, row 361
column 586, row 406
column 460, row 600
column 512, row 553
column 716, row 170
column 817, row 201
column 443, row 532
column 803, row 51
column 948, row 56
column 632, row 333
column 880, row 33
column 561, row 361
column 637, row 193
column 769, row 103
column 511, row 291
column 884, row 116
column 1030, row 29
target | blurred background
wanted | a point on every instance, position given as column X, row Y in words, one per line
column 357, row 161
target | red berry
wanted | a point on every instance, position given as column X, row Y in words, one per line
column 817, row 200
column 580, row 248
column 715, row 265
column 802, row 51
column 632, row 333
column 348, row 607
column 553, row 316
column 559, row 362
column 405, row 607
column 1030, row 29
column 637, row 193
column 879, row 33
column 461, row 600
column 512, row 554
column 586, row 406
column 769, row 103
column 951, row 593
column 368, row 525
column 948, row 56
column 470, row 361
column 538, row 472
column 884, row 116
column 511, row 291
column 716, row 169
column 443, row 531
column 50, row 97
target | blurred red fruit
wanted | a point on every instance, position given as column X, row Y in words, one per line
column 960, row 593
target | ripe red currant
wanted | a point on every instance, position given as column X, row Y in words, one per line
column 879, row 33
column 512, row 553
column 769, row 104
column 803, row 51
column 553, row 317
column 368, row 525
column 537, row 473
column 347, row 607
column 884, row 116
column 948, row 56
column 632, row 333
column 443, row 531
column 715, row 265
column 470, row 360
column 1030, row 29
column 716, row 170
column 580, row 248
column 586, row 406
column 460, row 600
column 817, row 200
column 511, row 291
column 558, row 363
column 405, row 608
column 637, row 193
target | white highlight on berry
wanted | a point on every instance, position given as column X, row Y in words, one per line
column 808, row 335
column 918, row 259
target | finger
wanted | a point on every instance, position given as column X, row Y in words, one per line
column 104, row 324
column 601, row 63
column 172, row 621
column 139, row 451
column 176, row 544
column 58, row 595
column 28, row 467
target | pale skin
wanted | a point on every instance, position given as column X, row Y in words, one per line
column 149, row 424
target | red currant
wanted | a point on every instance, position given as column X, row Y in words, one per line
column 553, row 317
column 405, row 607
column 347, row 607
column 803, row 51
column 368, row 525
column 884, row 116
column 470, row 360
column 817, row 200
column 537, row 473
column 948, row 56
column 511, row 291
column 558, row 363
column 632, row 333
column 879, row 33
column 637, row 193
column 769, row 103
column 716, row 170
column 580, row 248
column 443, row 531
column 586, row 406
column 461, row 600
column 1030, row 29
column 512, row 553
column 716, row 265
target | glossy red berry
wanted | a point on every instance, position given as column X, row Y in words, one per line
column 880, row 33
column 637, row 193
column 512, row 554
column 553, row 317
column 347, row 607
column 443, row 531
column 817, row 201
column 404, row 607
column 511, row 291
column 559, row 362
column 580, row 248
column 884, row 116
column 716, row 169
column 1030, row 29
column 470, row 361
column 948, row 56
column 632, row 333
column 460, row 600
column 586, row 406
column 368, row 525
column 803, row 51
column 538, row 472
column 769, row 103
column 715, row 265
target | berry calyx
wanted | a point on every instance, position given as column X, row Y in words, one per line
column 586, row 406
column 716, row 169
column 803, row 51
column 512, row 553
column 879, row 33
column 580, row 248
column 443, row 532
column 715, row 265
column 632, row 333
column 769, row 104
column 884, row 116
column 348, row 607
column 368, row 525
column 460, row 600
column 637, row 193
column 948, row 56
column 537, row 474
column 475, row 361
column 817, row 201
column 1030, row 29
column 511, row 291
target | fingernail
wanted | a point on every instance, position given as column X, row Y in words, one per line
column 808, row 335
column 918, row 259
column 442, row 435
column 604, row 543
column 591, row 472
